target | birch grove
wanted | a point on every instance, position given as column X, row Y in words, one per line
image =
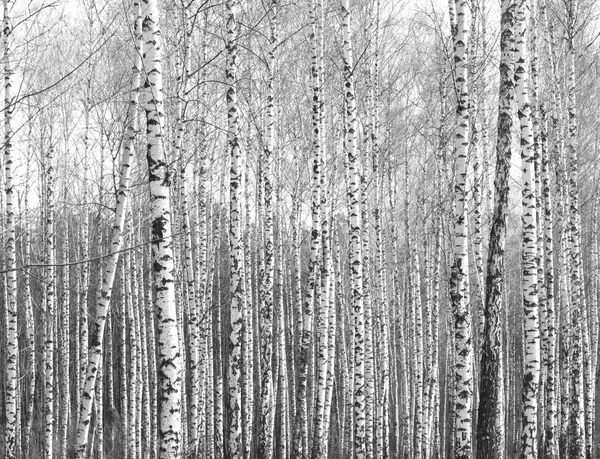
column 363, row 229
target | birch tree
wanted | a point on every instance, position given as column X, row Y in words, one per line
column 532, row 357
column 299, row 443
column 267, row 411
column 170, row 376
column 459, row 282
column 236, row 283
column 12, row 343
column 577, row 440
column 49, row 306
column 360, row 448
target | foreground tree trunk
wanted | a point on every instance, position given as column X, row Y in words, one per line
column 532, row 357
column 459, row 281
column 577, row 328
column 12, row 343
column 29, row 381
column 490, row 426
column 300, row 432
column 267, row 406
column 356, row 258
column 170, row 375
column 49, row 303
column 236, row 283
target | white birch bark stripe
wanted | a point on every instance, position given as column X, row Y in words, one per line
column 459, row 280
column 170, row 375
column 12, row 344
column 49, row 280
column 356, row 267
column 265, row 442
column 299, row 449
column 236, row 283
column 577, row 413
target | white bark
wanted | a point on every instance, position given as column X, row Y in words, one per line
column 532, row 356
column 170, row 376
column 236, row 283
column 49, row 312
column 351, row 128
column 12, row 344
column 267, row 408
column 300, row 434
column 463, row 370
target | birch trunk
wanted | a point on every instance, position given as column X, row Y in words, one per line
column 281, row 335
column 64, row 350
column 124, row 408
column 356, row 273
column 267, row 407
column 319, row 440
column 331, row 351
column 49, row 312
column 459, row 283
column 29, row 381
column 236, row 284
column 550, row 435
column 577, row 440
column 532, row 357
column 299, row 446
column 12, row 343
column 170, row 376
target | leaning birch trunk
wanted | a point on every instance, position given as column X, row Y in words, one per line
column 236, row 283
column 459, row 282
column 490, row 426
column 532, row 357
column 170, row 376
column 12, row 343
column 299, row 447
column 97, row 332
column 356, row 273
column 267, row 407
